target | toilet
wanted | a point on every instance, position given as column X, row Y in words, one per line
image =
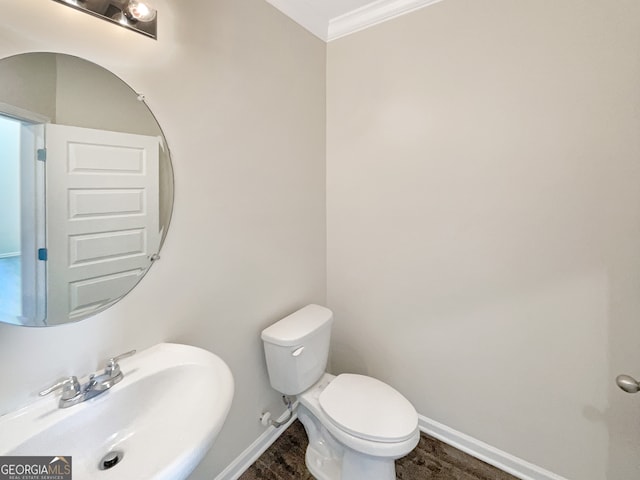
column 357, row 425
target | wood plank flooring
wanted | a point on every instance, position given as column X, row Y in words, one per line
column 430, row 460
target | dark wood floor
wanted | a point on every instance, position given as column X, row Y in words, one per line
column 430, row 460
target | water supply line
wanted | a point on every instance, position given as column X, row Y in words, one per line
column 266, row 420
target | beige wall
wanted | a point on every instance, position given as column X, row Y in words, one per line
column 30, row 84
column 87, row 96
column 239, row 91
column 484, row 222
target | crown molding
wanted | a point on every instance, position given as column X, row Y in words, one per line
column 328, row 29
column 372, row 14
column 305, row 15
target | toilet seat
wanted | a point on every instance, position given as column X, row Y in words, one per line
column 369, row 409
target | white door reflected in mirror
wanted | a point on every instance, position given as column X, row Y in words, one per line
column 102, row 236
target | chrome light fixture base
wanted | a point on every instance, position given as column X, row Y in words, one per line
column 136, row 15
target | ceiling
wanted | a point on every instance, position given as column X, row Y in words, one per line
column 331, row 19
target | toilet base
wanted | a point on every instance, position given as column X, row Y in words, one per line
column 352, row 467
column 358, row 466
column 327, row 459
column 322, row 468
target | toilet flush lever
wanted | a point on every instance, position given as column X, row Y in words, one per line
column 628, row 384
column 297, row 352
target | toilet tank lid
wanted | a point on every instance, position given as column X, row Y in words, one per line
column 295, row 328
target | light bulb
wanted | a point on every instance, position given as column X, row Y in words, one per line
column 139, row 11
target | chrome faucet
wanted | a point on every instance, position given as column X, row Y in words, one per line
column 73, row 392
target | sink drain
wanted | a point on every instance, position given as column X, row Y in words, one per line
column 110, row 460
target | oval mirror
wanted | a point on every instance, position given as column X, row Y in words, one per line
column 86, row 189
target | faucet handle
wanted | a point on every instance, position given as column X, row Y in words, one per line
column 70, row 388
column 113, row 369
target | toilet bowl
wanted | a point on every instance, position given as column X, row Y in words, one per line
column 357, row 425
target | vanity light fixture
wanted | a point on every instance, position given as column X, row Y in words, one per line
column 136, row 15
column 139, row 11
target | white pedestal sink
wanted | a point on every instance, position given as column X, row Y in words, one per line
column 161, row 419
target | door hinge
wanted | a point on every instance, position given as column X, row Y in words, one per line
column 43, row 254
column 42, row 154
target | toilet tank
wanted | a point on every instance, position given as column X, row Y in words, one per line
column 296, row 349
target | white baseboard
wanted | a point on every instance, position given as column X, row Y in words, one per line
column 257, row 448
column 504, row 461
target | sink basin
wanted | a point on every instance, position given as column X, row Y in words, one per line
column 159, row 421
